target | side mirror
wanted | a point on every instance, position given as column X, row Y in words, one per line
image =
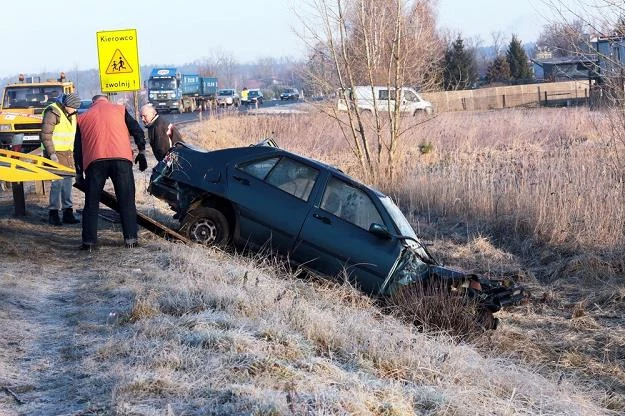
column 380, row 231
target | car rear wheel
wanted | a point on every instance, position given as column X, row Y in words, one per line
column 206, row 226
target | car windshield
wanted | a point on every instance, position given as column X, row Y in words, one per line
column 84, row 105
column 410, row 96
column 289, row 91
column 225, row 92
column 402, row 224
column 162, row 84
column 253, row 94
column 30, row 97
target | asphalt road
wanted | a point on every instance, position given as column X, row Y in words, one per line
column 195, row 116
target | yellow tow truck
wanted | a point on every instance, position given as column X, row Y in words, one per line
column 21, row 110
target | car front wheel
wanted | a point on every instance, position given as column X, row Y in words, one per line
column 206, row 226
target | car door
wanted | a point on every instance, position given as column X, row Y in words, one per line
column 272, row 198
column 335, row 238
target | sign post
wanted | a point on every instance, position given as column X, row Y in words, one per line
column 118, row 62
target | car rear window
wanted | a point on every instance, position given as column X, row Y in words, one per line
column 293, row 177
column 259, row 168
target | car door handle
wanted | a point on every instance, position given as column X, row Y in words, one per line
column 325, row 219
column 242, row 180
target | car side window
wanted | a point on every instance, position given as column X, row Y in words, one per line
column 350, row 203
column 259, row 168
column 410, row 96
column 293, row 177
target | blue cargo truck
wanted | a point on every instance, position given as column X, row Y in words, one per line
column 171, row 91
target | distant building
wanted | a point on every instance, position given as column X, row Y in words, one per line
column 611, row 55
column 565, row 68
column 598, row 59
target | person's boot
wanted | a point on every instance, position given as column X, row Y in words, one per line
column 68, row 216
column 53, row 217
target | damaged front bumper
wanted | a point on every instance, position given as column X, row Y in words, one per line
column 490, row 294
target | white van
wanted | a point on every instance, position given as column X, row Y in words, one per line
column 362, row 96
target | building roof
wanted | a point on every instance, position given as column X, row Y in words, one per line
column 564, row 60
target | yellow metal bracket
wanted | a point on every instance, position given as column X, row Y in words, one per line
column 24, row 167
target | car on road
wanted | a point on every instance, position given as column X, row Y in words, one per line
column 289, row 94
column 266, row 198
column 227, row 97
column 255, row 96
column 84, row 106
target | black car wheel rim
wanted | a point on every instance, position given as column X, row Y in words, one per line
column 204, row 231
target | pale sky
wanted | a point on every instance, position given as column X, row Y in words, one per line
column 524, row 18
column 45, row 35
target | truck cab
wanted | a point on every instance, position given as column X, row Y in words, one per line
column 164, row 90
column 22, row 107
column 171, row 91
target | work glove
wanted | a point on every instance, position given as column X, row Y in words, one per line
column 80, row 180
column 54, row 158
column 143, row 163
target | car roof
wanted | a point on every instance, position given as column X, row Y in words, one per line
column 334, row 170
column 259, row 150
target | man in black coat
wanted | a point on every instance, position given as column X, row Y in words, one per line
column 162, row 134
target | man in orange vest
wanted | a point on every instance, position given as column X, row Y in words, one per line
column 102, row 150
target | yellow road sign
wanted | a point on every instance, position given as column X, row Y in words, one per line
column 23, row 167
column 118, row 60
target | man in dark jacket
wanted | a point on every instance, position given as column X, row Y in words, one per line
column 101, row 151
column 162, row 134
column 58, row 129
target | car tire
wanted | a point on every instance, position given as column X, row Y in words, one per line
column 206, row 226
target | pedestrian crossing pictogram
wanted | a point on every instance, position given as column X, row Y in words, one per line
column 119, row 64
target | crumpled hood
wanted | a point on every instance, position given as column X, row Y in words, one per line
column 492, row 294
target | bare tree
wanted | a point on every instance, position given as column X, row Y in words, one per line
column 499, row 42
column 391, row 43
column 221, row 64
column 604, row 37
column 562, row 38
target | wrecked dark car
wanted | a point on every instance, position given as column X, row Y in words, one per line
column 264, row 197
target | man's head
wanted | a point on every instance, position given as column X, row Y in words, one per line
column 71, row 102
column 99, row 97
column 148, row 114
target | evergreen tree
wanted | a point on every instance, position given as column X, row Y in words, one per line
column 460, row 70
column 518, row 60
column 498, row 70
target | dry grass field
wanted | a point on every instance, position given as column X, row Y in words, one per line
column 168, row 329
